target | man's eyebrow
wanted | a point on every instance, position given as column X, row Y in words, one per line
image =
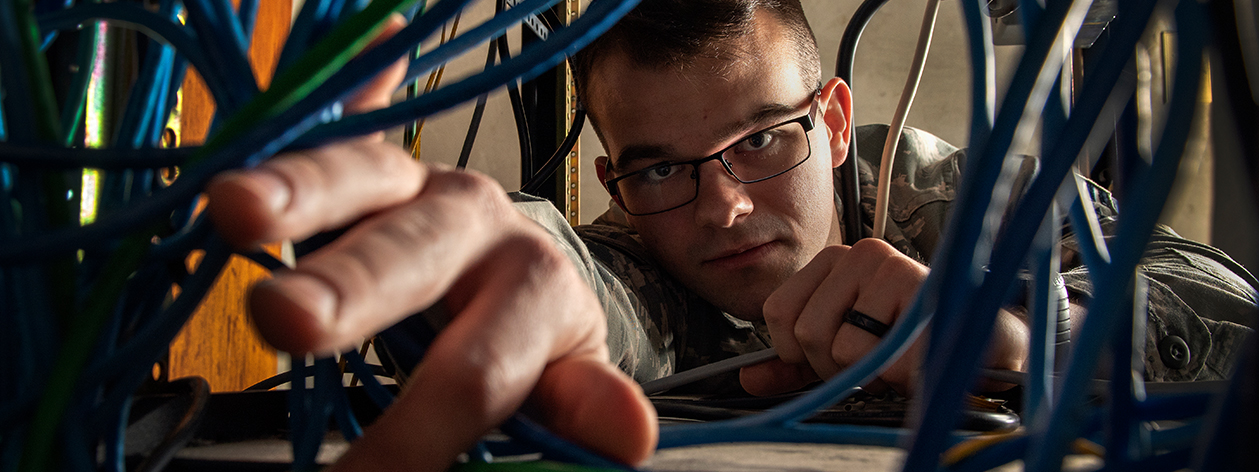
column 768, row 112
column 638, row 152
column 630, row 154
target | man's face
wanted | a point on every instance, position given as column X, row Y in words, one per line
column 735, row 243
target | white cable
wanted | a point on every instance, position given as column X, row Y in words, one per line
column 902, row 111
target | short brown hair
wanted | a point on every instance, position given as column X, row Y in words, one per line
column 670, row 33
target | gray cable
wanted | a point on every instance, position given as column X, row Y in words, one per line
column 702, row 372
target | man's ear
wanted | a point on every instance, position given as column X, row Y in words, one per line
column 837, row 116
column 601, row 169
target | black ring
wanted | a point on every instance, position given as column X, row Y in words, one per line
column 866, row 323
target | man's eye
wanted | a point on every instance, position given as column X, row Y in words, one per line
column 660, row 172
column 756, row 142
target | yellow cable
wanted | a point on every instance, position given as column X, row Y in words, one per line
column 968, row 448
column 434, row 81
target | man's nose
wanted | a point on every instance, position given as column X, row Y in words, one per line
column 722, row 199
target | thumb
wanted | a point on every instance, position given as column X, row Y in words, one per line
column 775, row 376
column 597, row 406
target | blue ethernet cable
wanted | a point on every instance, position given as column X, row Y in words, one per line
column 188, row 296
column 957, row 380
column 947, row 373
column 143, row 349
column 421, row 65
column 299, row 38
column 1133, row 229
column 312, row 23
column 146, row 95
column 214, row 22
column 274, row 133
column 381, row 397
column 247, row 15
column 153, row 24
column 534, row 60
column 36, row 157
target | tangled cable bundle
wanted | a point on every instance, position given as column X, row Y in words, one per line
column 87, row 308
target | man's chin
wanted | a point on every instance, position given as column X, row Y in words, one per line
column 743, row 305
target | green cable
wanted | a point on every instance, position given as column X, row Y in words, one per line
column 311, row 70
column 73, row 111
column 46, row 124
column 47, row 130
column 83, row 331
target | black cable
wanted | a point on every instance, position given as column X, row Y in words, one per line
column 283, row 378
column 477, row 113
column 199, row 390
column 517, row 105
column 850, row 182
column 548, row 168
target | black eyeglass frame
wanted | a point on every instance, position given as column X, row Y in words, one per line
column 805, row 122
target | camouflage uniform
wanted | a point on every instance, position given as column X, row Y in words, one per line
column 1199, row 299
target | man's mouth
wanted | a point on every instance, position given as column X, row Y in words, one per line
column 741, row 256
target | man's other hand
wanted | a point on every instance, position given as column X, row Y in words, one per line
column 524, row 325
column 805, row 317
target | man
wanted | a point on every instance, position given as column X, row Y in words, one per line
column 701, row 239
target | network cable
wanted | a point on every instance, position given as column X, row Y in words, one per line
column 478, row 111
column 120, row 368
column 517, row 106
column 146, row 342
column 902, row 112
column 850, row 182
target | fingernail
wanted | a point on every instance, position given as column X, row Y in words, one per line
column 274, row 191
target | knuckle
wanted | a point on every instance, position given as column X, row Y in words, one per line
column 480, row 191
column 872, row 245
column 389, row 161
column 540, row 255
column 809, row 339
column 902, row 269
column 776, row 314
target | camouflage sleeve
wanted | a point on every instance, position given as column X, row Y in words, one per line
column 638, row 346
column 1199, row 299
column 655, row 325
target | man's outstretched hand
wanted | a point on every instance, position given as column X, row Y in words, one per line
column 524, row 326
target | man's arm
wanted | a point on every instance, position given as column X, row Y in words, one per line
column 524, row 325
column 1201, row 303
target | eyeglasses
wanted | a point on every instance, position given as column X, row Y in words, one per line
column 759, row 156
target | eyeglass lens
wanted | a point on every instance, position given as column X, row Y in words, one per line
column 757, row 157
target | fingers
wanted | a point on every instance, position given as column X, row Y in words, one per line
column 805, row 315
column 298, row 194
column 386, row 267
column 783, row 307
column 775, row 376
column 522, row 318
